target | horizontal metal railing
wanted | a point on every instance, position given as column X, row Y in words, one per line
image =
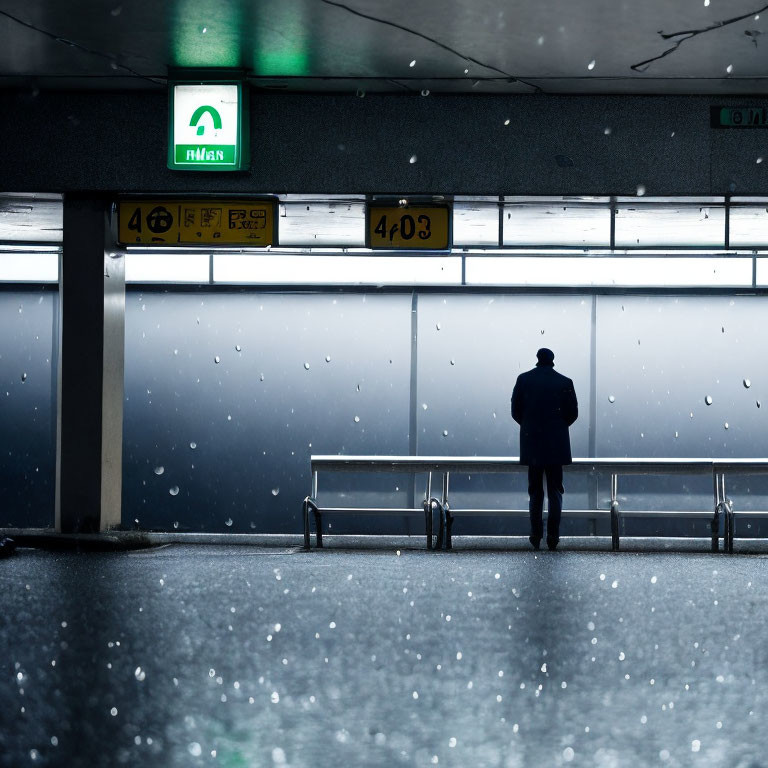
column 445, row 465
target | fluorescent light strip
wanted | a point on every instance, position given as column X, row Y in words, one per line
column 334, row 270
column 668, row 271
column 24, row 266
column 167, row 267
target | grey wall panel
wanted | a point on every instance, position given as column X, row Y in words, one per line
column 27, row 408
column 296, row 375
column 658, row 360
column 471, row 350
column 553, row 145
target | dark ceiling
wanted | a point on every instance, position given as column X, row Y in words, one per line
column 476, row 46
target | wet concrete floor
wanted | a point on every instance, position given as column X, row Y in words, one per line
column 191, row 655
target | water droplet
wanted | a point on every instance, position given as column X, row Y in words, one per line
column 506, row 122
column 204, row 30
column 695, row 745
column 607, row 130
column 195, row 749
column 757, row 403
column 278, row 756
column 113, row 711
column 568, row 754
column 425, row 92
column 23, row 377
column 238, row 348
column 228, row 522
column 640, row 190
column 193, row 445
column 591, row 65
column 424, row 406
column 360, row 93
column 175, row 523
column 159, row 470
column 611, row 399
column 445, row 433
column 747, row 383
column 261, row 377
column 357, row 419
column 725, row 425
column 540, row 41
column 729, row 69
column 413, row 63
column 412, row 159
column 306, row 366
column 437, row 326
column 275, row 491
column 116, row 11
column 327, row 358
column 217, row 359
column 139, row 674
column 174, row 491
column 708, row 400
column 759, row 160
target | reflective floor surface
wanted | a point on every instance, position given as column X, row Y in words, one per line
column 377, row 656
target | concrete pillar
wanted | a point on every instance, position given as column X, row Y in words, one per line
column 90, row 379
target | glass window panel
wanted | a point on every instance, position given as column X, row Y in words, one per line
column 622, row 270
column 471, row 348
column 659, row 359
column 231, row 392
column 564, row 223
column 316, row 223
column 36, row 218
column 28, row 355
column 748, row 226
column 156, row 267
column 476, row 221
column 653, row 225
column 27, row 266
column 332, row 269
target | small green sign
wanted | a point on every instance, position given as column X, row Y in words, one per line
column 207, row 128
column 738, row 117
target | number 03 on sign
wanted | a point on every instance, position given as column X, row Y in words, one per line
column 411, row 227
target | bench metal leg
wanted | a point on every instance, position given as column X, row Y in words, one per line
column 448, row 526
column 318, row 528
column 719, row 508
column 440, row 524
column 730, row 524
column 615, row 520
column 428, row 521
column 305, row 518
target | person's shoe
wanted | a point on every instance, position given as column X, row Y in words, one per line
column 552, row 543
column 534, row 542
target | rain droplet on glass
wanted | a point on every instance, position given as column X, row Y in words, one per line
column 217, row 359
column 437, row 326
column 327, row 358
column 193, row 445
column 23, row 377
column 412, row 159
column 176, row 524
column 708, row 399
column 591, row 65
column 445, row 433
column 640, row 190
column 159, row 470
column 228, row 522
column 725, row 425
column 306, row 366
column 238, row 348
column 747, row 383
column 506, row 122
column 425, row 92
column 360, row 93
column 275, row 491
column 357, row 419
column 174, row 491
column 139, row 674
column 453, row 362
column 413, row 63
column 729, row 69
column 607, row 130
column 611, row 399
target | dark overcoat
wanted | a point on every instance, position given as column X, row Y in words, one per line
column 544, row 405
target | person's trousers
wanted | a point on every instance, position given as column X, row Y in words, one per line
column 554, row 475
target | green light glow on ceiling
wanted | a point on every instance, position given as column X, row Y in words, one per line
column 281, row 44
column 206, row 33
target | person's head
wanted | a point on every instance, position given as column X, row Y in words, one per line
column 545, row 357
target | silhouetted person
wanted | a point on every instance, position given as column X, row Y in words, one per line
column 544, row 405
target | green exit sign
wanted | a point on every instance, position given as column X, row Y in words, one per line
column 207, row 126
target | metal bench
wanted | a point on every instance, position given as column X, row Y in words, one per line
column 722, row 509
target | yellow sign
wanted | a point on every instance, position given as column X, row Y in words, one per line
column 409, row 227
column 190, row 222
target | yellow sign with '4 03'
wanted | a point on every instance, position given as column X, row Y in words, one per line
column 205, row 222
column 410, row 227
